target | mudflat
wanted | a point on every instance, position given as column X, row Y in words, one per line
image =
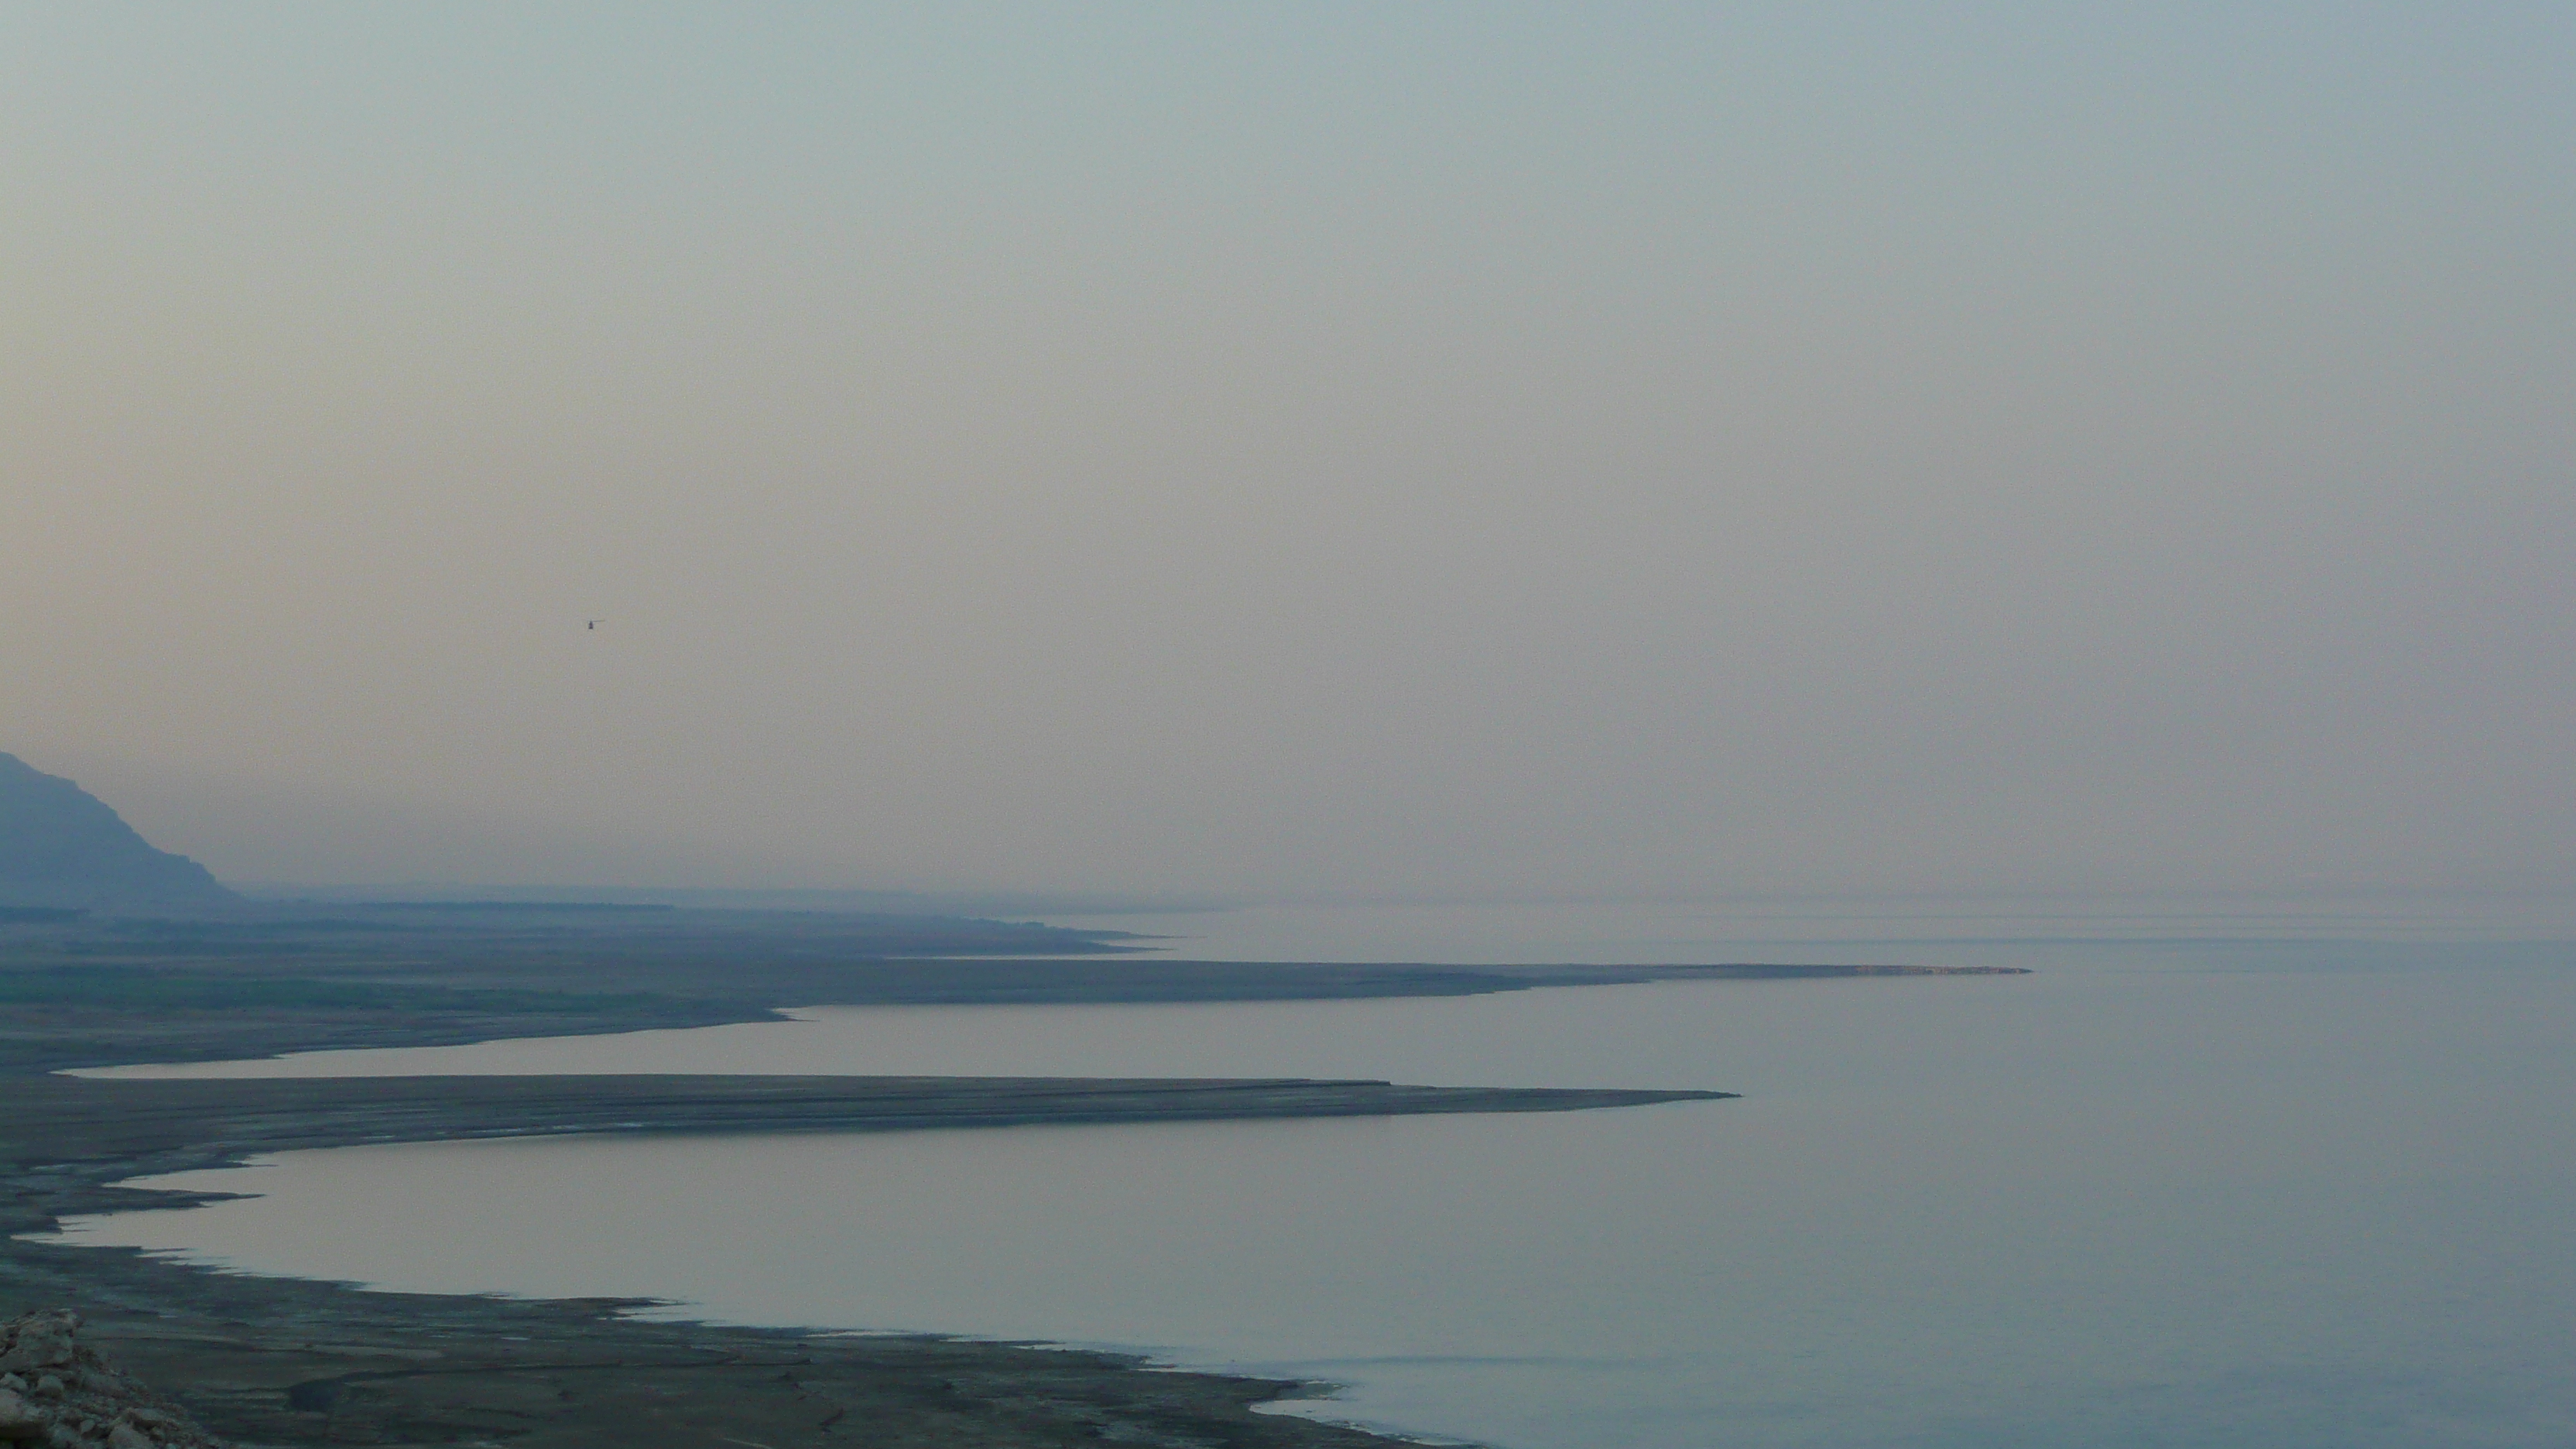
column 286, row 1362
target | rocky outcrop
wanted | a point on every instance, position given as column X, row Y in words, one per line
column 56, row 1393
column 59, row 844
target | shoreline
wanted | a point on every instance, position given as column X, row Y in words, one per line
column 293, row 1362
column 285, row 1360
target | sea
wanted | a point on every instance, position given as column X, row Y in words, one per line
column 2246, row 1175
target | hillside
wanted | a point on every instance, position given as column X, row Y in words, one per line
column 59, row 844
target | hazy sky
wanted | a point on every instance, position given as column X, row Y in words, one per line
column 1298, row 449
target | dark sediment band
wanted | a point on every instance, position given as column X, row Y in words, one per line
column 67, row 1133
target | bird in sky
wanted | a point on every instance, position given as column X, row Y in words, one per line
column 593, row 623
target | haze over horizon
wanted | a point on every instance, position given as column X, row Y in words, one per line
column 1313, row 450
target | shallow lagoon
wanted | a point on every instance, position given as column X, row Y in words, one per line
column 2224, row 1193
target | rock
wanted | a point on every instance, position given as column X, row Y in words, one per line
column 18, row 1418
column 81, row 1402
column 40, row 1340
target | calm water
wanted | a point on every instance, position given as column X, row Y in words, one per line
column 2272, row 1193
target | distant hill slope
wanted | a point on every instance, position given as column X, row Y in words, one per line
column 59, row 843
